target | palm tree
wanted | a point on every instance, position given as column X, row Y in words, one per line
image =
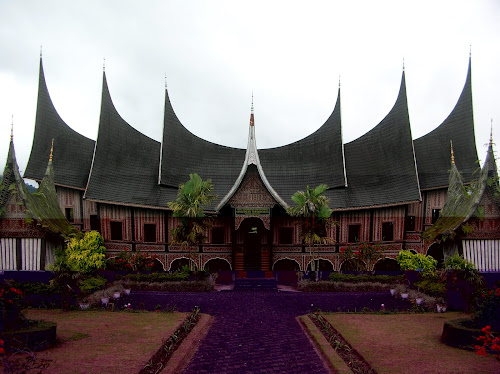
column 192, row 198
column 312, row 206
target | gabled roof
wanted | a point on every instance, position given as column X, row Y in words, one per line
column 252, row 158
column 73, row 151
column 458, row 127
column 461, row 203
column 380, row 164
column 125, row 165
column 316, row 159
column 183, row 153
column 41, row 206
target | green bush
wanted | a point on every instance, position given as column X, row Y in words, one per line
column 389, row 279
column 410, row 261
column 155, row 277
column 463, row 269
column 327, row 286
column 92, row 284
column 431, row 287
column 38, row 288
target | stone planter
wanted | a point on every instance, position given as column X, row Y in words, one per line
column 461, row 333
column 116, row 295
column 393, row 291
column 127, row 291
column 104, row 301
column 440, row 308
column 37, row 336
column 404, row 296
column 419, row 301
column 84, row 306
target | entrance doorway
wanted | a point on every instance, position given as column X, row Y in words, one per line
column 254, row 236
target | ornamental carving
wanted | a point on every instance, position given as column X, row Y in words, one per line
column 287, row 249
column 150, row 248
column 266, row 220
column 208, row 257
column 252, row 193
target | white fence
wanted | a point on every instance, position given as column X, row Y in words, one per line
column 484, row 254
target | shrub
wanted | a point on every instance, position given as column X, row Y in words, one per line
column 90, row 285
column 84, row 255
column 489, row 309
column 431, row 287
column 410, row 261
column 389, row 279
column 463, row 269
column 155, row 277
column 327, row 286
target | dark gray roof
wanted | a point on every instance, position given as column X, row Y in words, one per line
column 72, row 151
column 433, row 151
column 125, row 165
column 380, row 164
column 184, row 153
column 316, row 159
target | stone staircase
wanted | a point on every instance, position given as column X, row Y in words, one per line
column 255, row 284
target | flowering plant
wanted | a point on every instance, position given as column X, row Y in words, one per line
column 488, row 342
column 364, row 253
column 143, row 262
column 11, row 304
column 489, row 309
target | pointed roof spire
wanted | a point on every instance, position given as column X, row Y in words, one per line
column 251, row 113
column 104, row 64
column 12, row 129
column 339, row 81
column 51, row 156
column 403, row 64
column 491, row 133
column 40, row 51
column 452, row 155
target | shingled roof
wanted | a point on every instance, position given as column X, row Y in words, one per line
column 125, row 165
column 461, row 203
column 73, row 151
column 433, row 158
column 183, row 153
column 380, row 164
column 316, row 159
column 41, row 206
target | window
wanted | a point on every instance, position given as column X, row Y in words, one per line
column 435, row 215
column 354, row 231
column 387, row 231
column 150, row 232
column 69, row 214
column 116, row 230
column 95, row 225
column 286, row 235
column 410, row 223
column 218, row 235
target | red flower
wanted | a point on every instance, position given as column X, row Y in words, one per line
column 2, row 351
column 481, row 351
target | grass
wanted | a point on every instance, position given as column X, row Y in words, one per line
column 408, row 343
column 105, row 342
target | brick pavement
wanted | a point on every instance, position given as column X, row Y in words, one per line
column 256, row 332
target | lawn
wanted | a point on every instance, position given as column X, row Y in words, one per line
column 105, row 342
column 408, row 343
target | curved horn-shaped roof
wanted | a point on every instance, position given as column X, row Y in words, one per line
column 73, row 151
column 184, row 153
column 313, row 160
column 125, row 165
column 433, row 158
column 380, row 164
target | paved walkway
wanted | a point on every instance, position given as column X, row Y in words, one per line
column 256, row 332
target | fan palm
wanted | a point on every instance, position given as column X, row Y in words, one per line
column 312, row 207
column 192, row 197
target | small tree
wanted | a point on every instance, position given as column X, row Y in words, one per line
column 192, row 198
column 312, row 207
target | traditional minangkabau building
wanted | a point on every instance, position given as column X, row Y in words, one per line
column 32, row 225
column 384, row 187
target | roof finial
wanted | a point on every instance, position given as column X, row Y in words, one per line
column 339, row 80
column 165, row 80
column 40, row 51
column 491, row 133
column 452, row 155
column 403, row 64
column 470, row 50
column 104, row 64
column 12, row 129
column 51, row 151
column 251, row 109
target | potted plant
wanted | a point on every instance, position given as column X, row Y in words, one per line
column 404, row 295
column 393, row 291
column 104, row 298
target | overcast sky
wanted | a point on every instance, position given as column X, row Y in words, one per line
column 215, row 53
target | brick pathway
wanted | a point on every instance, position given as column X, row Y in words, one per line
column 256, row 332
